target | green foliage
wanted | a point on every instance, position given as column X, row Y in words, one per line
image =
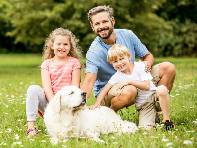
column 156, row 33
column 17, row 72
column 166, row 27
column 185, row 41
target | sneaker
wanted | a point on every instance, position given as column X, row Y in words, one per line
column 168, row 125
column 157, row 118
column 157, row 105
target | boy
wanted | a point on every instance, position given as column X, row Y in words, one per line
column 134, row 74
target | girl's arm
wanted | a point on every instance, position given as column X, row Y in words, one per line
column 101, row 95
column 88, row 83
column 46, row 83
column 76, row 77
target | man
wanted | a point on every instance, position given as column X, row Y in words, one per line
column 99, row 71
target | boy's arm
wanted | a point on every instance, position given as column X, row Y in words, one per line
column 102, row 94
column 143, row 85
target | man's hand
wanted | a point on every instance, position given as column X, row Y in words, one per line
column 148, row 66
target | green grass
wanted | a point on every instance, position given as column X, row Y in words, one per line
column 17, row 72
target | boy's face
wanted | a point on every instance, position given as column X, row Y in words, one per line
column 122, row 64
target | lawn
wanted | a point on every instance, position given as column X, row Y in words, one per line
column 17, row 72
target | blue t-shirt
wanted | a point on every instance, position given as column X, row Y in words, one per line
column 96, row 57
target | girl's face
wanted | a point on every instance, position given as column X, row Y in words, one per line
column 122, row 64
column 61, row 46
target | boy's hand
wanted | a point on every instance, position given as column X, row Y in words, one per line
column 96, row 105
column 120, row 86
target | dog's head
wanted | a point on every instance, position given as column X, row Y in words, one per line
column 69, row 97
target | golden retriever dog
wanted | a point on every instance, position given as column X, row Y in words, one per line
column 67, row 116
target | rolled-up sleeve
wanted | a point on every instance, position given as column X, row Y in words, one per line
column 91, row 63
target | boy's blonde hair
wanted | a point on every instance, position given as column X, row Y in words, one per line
column 48, row 52
column 117, row 51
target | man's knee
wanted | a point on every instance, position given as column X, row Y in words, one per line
column 130, row 91
column 168, row 68
column 122, row 101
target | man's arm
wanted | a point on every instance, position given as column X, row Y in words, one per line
column 88, row 83
column 148, row 60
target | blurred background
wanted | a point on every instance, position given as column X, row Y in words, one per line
column 166, row 27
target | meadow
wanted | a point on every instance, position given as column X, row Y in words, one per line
column 17, row 72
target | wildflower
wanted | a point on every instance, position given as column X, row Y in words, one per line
column 3, row 143
column 16, row 136
column 115, row 142
column 43, row 141
column 195, row 122
column 169, row 144
column 187, row 142
column 17, row 143
column 9, row 130
column 164, row 139
column 21, row 83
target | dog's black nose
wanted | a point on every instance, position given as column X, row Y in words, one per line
column 83, row 94
column 84, row 101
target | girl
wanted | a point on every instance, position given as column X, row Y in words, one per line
column 61, row 67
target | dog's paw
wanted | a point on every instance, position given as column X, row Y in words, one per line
column 54, row 140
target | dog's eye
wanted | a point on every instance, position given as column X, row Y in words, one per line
column 72, row 92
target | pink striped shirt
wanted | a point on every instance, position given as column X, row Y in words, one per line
column 60, row 75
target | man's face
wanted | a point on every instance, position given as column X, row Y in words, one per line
column 102, row 25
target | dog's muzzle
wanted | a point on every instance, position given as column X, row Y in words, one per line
column 83, row 102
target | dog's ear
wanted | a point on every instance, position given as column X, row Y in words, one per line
column 57, row 103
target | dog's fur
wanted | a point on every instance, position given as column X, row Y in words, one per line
column 65, row 116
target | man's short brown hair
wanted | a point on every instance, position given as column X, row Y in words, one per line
column 99, row 9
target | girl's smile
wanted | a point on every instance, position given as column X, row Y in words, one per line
column 61, row 46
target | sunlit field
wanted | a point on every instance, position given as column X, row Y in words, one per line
column 17, row 72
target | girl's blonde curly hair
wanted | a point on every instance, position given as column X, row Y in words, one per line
column 75, row 50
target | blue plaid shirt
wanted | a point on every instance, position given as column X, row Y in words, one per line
column 96, row 57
